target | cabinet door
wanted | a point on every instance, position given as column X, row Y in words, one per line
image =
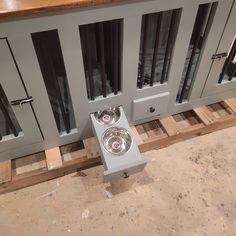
column 171, row 49
column 41, row 62
column 18, row 126
column 222, row 76
column 147, row 72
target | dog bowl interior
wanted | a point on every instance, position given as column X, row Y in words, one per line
column 116, row 140
column 109, row 116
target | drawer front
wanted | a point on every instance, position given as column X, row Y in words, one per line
column 150, row 106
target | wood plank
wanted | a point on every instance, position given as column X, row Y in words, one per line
column 73, row 150
column 196, row 128
column 190, row 132
column 141, row 131
column 191, row 117
column 136, row 135
column 42, row 175
column 183, row 124
column 10, row 8
column 231, row 103
column 228, row 108
column 74, row 155
column 170, row 125
column 214, row 111
column 5, row 171
column 224, row 122
column 91, row 147
column 205, row 115
column 28, row 163
column 152, row 129
column 53, row 158
column 166, row 141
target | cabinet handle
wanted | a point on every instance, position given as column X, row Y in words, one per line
column 19, row 102
column 152, row 109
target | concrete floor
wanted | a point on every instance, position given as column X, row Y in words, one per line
column 186, row 189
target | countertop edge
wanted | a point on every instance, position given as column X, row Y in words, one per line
column 52, row 8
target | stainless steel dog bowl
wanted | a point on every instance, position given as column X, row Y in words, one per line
column 109, row 116
column 116, row 140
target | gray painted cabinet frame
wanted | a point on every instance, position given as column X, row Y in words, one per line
column 212, row 87
column 18, row 33
column 198, row 95
column 13, row 88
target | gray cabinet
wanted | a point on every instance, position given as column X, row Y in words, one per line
column 151, row 57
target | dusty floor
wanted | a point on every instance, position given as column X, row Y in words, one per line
column 187, row 189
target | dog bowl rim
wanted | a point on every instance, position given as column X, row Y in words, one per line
column 113, row 153
column 108, row 124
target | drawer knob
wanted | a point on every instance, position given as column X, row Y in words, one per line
column 152, row 109
column 126, row 175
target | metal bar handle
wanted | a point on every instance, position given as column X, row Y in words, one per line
column 22, row 101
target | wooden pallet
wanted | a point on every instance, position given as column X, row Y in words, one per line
column 59, row 161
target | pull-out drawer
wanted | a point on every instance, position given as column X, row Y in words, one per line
column 119, row 151
column 150, row 106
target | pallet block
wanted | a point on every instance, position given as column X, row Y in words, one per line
column 53, row 158
column 5, row 171
column 60, row 161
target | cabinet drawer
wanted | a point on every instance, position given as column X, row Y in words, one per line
column 150, row 106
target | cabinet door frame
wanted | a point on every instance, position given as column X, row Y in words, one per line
column 204, row 66
column 212, row 87
column 19, row 35
column 14, row 90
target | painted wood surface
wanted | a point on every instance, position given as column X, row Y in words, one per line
column 28, row 7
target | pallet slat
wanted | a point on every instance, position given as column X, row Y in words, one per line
column 53, row 158
column 39, row 176
column 192, row 128
column 170, row 125
column 74, row 155
column 232, row 104
column 91, row 147
column 5, row 171
column 205, row 115
column 136, row 135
